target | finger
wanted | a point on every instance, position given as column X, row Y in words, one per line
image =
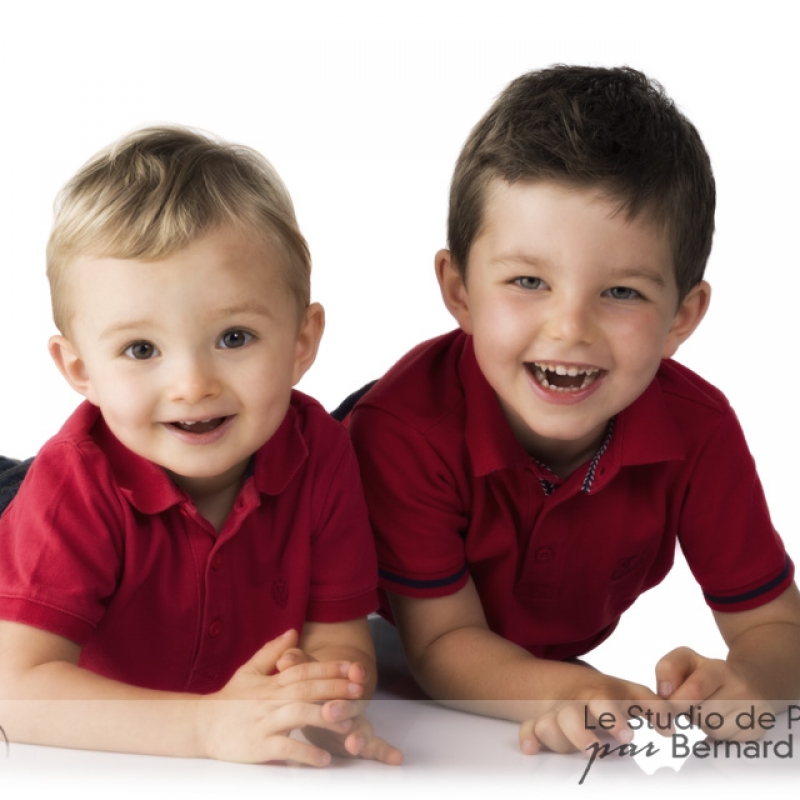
column 377, row 749
column 264, row 660
column 528, row 741
column 293, row 716
column 336, row 710
column 701, row 684
column 292, row 658
column 646, row 705
column 610, row 716
column 315, row 691
column 550, row 731
column 673, row 668
column 357, row 673
column 357, row 740
column 363, row 742
column 313, row 671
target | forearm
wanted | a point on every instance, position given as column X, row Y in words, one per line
column 61, row 704
column 768, row 659
column 474, row 669
column 764, row 646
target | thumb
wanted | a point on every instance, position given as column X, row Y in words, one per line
column 265, row 659
column 673, row 669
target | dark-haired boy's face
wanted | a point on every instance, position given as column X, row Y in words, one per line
column 572, row 307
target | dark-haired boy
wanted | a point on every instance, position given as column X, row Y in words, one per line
column 529, row 474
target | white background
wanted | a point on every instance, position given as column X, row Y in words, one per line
column 363, row 107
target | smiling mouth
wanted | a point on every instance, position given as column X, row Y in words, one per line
column 563, row 378
column 199, row 426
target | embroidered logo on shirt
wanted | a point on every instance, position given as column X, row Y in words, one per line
column 624, row 566
column 280, row 592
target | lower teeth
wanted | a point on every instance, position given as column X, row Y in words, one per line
column 541, row 378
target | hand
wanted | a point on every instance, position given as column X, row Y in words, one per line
column 250, row 718
column 573, row 722
column 359, row 740
column 686, row 678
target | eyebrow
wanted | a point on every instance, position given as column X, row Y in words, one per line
column 133, row 325
column 621, row 274
column 248, row 307
column 640, row 272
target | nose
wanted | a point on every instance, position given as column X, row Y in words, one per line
column 192, row 379
column 571, row 320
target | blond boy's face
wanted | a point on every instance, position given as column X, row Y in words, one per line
column 190, row 358
column 572, row 307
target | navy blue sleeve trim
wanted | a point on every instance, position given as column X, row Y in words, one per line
column 767, row 587
column 411, row 583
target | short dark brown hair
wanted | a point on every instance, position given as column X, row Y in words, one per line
column 591, row 126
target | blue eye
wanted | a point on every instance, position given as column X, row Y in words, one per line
column 623, row 293
column 141, row 351
column 230, row 340
column 528, row 282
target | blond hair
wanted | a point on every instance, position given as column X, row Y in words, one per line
column 158, row 189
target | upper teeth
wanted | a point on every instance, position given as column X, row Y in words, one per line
column 560, row 369
column 197, row 421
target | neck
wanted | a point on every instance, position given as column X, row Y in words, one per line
column 214, row 496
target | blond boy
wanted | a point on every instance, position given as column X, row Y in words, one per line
column 196, row 520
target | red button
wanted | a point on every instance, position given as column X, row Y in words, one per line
column 216, row 563
column 215, row 629
column 543, row 555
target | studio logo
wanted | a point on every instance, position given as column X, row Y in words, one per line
column 668, row 740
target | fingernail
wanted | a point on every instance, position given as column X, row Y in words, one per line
column 345, row 668
column 625, row 736
column 354, row 689
column 665, row 688
column 528, row 746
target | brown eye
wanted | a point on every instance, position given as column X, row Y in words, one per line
column 233, row 339
column 140, row 351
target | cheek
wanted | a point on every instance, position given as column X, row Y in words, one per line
column 503, row 325
column 127, row 401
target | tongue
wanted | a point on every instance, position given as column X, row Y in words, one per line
column 565, row 381
column 200, row 427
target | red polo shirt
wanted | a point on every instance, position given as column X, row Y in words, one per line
column 101, row 547
column 451, row 492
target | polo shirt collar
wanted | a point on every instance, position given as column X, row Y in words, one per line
column 490, row 441
column 150, row 490
column 643, row 433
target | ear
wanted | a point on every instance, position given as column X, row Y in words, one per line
column 70, row 365
column 453, row 289
column 688, row 316
column 308, row 338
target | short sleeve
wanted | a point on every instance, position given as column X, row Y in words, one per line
column 416, row 506
column 60, row 544
column 344, row 573
column 725, row 529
